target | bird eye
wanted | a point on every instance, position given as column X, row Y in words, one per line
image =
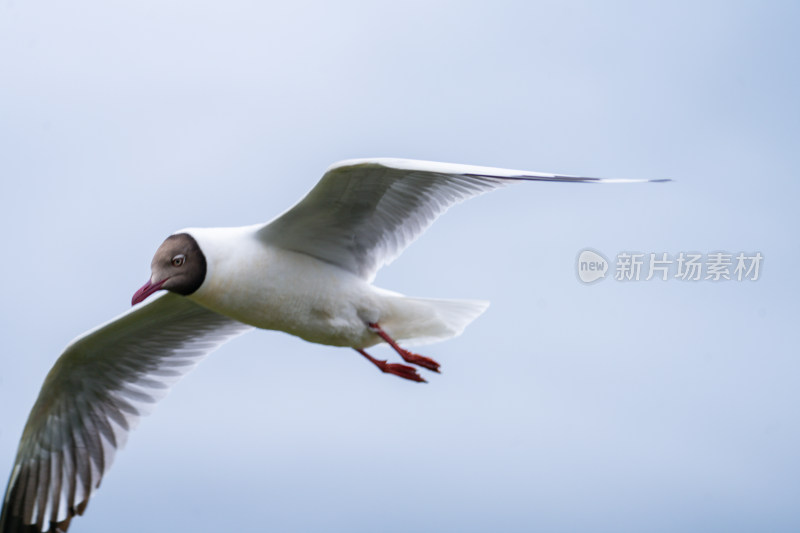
column 178, row 260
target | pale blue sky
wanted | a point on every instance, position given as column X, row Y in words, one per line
column 650, row 406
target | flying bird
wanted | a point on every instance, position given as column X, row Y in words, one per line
column 308, row 272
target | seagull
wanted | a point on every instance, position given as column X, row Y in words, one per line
column 308, row 272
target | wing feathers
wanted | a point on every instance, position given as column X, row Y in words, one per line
column 364, row 212
column 360, row 216
column 95, row 394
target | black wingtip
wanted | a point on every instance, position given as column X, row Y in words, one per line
column 567, row 179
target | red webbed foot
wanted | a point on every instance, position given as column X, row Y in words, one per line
column 403, row 371
column 408, row 357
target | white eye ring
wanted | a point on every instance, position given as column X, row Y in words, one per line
column 178, row 260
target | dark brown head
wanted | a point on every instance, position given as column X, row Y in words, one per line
column 179, row 266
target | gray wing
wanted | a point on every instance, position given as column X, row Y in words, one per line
column 94, row 395
column 363, row 213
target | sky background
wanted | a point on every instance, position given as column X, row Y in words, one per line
column 617, row 407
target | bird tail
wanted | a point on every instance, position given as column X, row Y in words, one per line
column 424, row 320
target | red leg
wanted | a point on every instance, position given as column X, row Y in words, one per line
column 403, row 371
column 408, row 357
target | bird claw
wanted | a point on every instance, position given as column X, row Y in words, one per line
column 408, row 357
column 420, row 360
column 402, row 371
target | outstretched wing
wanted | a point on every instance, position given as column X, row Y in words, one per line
column 363, row 213
column 97, row 390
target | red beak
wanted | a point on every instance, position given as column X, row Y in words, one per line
column 146, row 290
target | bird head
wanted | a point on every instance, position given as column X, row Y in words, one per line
column 178, row 266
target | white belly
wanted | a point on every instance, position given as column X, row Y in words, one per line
column 282, row 290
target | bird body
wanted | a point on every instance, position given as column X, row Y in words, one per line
column 273, row 288
column 308, row 272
